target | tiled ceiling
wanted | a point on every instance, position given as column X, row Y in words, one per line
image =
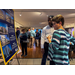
column 38, row 17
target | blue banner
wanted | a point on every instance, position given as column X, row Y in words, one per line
column 7, row 35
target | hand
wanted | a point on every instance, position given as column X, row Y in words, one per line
column 19, row 43
column 49, row 38
column 70, row 43
column 42, row 50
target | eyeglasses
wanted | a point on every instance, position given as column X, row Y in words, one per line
column 54, row 23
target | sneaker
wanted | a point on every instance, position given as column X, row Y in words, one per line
column 25, row 55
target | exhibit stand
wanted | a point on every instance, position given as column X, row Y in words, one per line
column 8, row 43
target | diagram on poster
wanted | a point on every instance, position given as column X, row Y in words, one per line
column 7, row 37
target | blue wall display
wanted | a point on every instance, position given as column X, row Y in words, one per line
column 8, row 42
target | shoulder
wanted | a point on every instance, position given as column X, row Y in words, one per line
column 56, row 33
column 25, row 33
column 20, row 33
column 45, row 27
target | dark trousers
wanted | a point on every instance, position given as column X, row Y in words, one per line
column 45, row 53
column 24, row 47
column 52, row 63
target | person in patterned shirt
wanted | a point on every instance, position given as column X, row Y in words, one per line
column 60, row 43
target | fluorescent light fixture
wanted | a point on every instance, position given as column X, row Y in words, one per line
column 40, row 13
column 70, row 15
column 47, row 15
column 43, row 22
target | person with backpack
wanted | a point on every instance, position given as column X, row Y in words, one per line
column 37, row 38
column 23, row 37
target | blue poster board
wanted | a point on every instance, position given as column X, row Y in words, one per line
column 8, row 42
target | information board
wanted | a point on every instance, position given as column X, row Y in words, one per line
column 7, row 35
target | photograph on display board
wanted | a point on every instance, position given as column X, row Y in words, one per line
column 8, row 42
column 8, row 18
column 12, row 20
column 7, row 51
column 4, row 39
column 3, row 28
column 2, row 15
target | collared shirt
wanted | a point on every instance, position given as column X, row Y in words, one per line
column 32, row 32
column 21, row 34
column 47, row 30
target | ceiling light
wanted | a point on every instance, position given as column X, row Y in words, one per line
column 40, row 13
column 20, row 14
column 47, row 15
column 70, row 15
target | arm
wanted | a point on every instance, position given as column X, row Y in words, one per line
column 54, row 44
column 42, row 41
column 42, row 38
column 34, row 34
column 19, row 39
column 72, row 40
column 26, row 35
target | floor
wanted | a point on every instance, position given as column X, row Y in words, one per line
column 33, row 57
column 30, row 62
column 34, row 52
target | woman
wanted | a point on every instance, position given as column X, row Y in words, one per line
column 23, row 37
column 60, row 43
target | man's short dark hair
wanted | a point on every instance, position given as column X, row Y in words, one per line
column 58, row 18
column 23, row 30
column 17, row 28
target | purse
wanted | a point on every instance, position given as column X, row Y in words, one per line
column 27, row 41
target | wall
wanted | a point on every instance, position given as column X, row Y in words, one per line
column 17, row 25
column 36, row 27
column 70, row 26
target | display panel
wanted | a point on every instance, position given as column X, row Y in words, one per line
column 70, row 31
column 7, row 36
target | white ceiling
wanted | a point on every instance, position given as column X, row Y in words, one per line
column 32, row 17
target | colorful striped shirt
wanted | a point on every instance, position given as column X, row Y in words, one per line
column 59, row 47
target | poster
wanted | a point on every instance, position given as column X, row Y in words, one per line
column 7, row 36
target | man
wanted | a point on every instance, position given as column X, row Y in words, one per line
column 23, row 37
column 37, row 38
column 32, row 37
column 28, row 33
column 17, row 32
column 47, row 30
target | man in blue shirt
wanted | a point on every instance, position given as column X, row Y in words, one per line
column 28, row 33
column 32, row 37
